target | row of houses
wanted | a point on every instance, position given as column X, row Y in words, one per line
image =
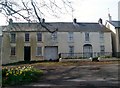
column 31, row 41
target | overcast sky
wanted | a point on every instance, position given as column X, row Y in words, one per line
column 85, row 11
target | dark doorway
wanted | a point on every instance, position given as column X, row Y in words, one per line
column 27, row 53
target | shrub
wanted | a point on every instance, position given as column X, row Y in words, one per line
column 20, row 75
column 105, row 56
column 95, row 59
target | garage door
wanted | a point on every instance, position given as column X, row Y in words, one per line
column 51, row 53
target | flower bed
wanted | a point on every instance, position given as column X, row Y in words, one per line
column 20, row 75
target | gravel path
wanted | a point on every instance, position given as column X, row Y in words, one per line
column 89, row 76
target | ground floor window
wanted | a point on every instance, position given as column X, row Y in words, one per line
column 39, row 51
column 71, row 50
column 13, row 51
column 102, row 49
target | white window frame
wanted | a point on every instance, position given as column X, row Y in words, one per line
column 29, row 37
column 101, row 35
column 11, row 51
column 11, row 38
column 102, row 48
column 54, row 36
column 71, row 50
column 70, row 37
column 37, row 51
column 39, row 35
column 87, row 36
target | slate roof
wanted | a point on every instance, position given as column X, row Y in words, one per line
column 115, row 23
column 61, row 26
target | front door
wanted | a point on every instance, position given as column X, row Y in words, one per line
column 87, row 50
column 27, row 54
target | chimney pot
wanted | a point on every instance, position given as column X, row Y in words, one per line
column 43, row 20
column 75, row 20
column 110, row 17
column 100, row 21
column 10, row 21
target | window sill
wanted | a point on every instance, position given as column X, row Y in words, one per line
column 12, row 42
column 12, row 55
column 39, row 56
column 70, row 41
column 87, row 42
column 39, row 41
column 27, row 41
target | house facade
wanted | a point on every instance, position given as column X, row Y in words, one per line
column 30, row 41
column 1, row 28
column 114, row 26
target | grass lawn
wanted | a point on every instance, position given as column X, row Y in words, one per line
column 54, row 64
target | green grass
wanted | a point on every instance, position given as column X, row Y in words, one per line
column 20, row 75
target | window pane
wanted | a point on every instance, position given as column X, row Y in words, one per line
column 39, row 51
column 86, row 36
column 26, row 36
column 70, row 36
column 13, row 51
column 102, row 48
column 101, row 37
column 39, row 36
column 54, row 36
column 71, row 50
column 13, row 37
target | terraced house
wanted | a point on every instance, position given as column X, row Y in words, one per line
column 114, row 26
column 31, row 41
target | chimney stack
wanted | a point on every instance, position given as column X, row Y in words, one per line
column 43, row 20
column 10, row 21
column 110, row 17
column 100, row 21
column 75, row 20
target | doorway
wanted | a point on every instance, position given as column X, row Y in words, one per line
column 27, row 54
column 87, row 50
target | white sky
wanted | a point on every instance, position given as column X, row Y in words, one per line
column 85, row 11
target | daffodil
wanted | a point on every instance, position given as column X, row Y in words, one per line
column 7, row 74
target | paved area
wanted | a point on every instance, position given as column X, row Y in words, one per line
column 89, row 76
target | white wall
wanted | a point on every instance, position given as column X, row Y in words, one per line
column 79, row 41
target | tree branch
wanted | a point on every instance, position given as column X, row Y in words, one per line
column 39, row 19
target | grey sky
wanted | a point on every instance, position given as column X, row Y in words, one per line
column 85, row 11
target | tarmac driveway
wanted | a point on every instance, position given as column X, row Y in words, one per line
column 85, row 76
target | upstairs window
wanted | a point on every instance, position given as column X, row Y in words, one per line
column 26, row 37
column 54, row 36
column 13, row 51
column 101, row 37
column 87, row 37
column 39, row 36
column 70, row 37
column 13, row 37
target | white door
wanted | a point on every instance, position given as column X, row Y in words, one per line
column 51, row 53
